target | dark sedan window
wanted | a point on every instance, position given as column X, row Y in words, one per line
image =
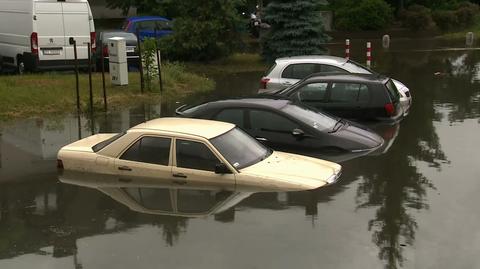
column 195, row 155
column 348, row 93
column 233, row 115
column 313, row 92
column 299, row 71
column 269, row 121
column 155, row 150
column 332, row 69
column 313, row 118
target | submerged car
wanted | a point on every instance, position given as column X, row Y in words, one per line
column 195, row 152
column 289, row 70
column 287, row 126
column 360, row 97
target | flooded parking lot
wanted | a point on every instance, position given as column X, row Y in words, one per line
column 412, row 204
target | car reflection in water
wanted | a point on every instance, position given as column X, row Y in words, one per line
column 149, row 197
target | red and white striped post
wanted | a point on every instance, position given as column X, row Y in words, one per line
column 369, row 54
column 347, row 49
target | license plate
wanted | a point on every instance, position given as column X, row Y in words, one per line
column 51, row 52
column 130, row 49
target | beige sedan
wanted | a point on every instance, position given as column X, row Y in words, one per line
column 193, row 152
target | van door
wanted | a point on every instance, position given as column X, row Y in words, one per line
column 76, row 21
column 49, row 27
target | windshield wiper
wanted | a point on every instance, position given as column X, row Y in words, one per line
column 339, row 123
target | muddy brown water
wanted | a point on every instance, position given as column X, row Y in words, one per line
column 413, row 205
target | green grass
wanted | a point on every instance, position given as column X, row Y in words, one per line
column 239, row 62
column 54, row 93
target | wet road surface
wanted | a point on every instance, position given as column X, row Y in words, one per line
column 411, row 205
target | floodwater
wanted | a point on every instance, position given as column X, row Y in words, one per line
column 414, row 204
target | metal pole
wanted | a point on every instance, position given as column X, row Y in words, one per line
column 158, row 62
column 102, row 58
column 73, row 42
column 89, row 52
column 142, row 83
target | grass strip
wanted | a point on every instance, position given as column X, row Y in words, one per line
column 54, row 93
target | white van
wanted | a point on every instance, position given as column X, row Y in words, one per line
column 34, row 34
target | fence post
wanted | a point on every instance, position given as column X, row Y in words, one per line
column 102, row 59
column 386, row 41
column 139, row 47
column 347, row 49
column 73, row 42
column 369, row 54
column 90, row 86
column 469, row 39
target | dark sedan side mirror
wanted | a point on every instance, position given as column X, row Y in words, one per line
column 298, row 133
column 221, row 168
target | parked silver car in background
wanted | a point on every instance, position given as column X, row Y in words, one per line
column 289, row 70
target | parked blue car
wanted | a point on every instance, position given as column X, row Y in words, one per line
column 148, row 25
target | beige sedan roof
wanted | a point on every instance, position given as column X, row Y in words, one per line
column 204, row 128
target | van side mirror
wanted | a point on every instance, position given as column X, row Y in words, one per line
column 298, row 133
column 221, row 168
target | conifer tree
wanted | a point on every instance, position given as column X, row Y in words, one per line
column 296, row 29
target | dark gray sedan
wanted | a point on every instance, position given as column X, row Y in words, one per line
column 287, row 126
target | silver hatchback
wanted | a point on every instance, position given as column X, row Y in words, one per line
column 289, row 70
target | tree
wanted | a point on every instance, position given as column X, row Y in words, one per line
column 145, row 7
column 296, row 29
column 202, row 30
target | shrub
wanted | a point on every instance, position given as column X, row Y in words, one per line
column 466, row 13
column 445, row 19
column 149, row 61
column 202, row 30
column 364, row 15
column 463, row 16
column 417, row 17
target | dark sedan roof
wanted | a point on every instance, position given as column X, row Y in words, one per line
column 264, row 101
column 359, row 78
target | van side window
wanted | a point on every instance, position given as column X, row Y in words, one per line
column 348, row 93
column 299, row 71
column 154, row 150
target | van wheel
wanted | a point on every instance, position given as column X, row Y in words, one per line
column 20, row 66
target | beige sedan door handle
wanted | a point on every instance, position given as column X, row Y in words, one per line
column 124, row 168
column 179, row 175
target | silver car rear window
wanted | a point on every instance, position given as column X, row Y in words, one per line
column 271, row 69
